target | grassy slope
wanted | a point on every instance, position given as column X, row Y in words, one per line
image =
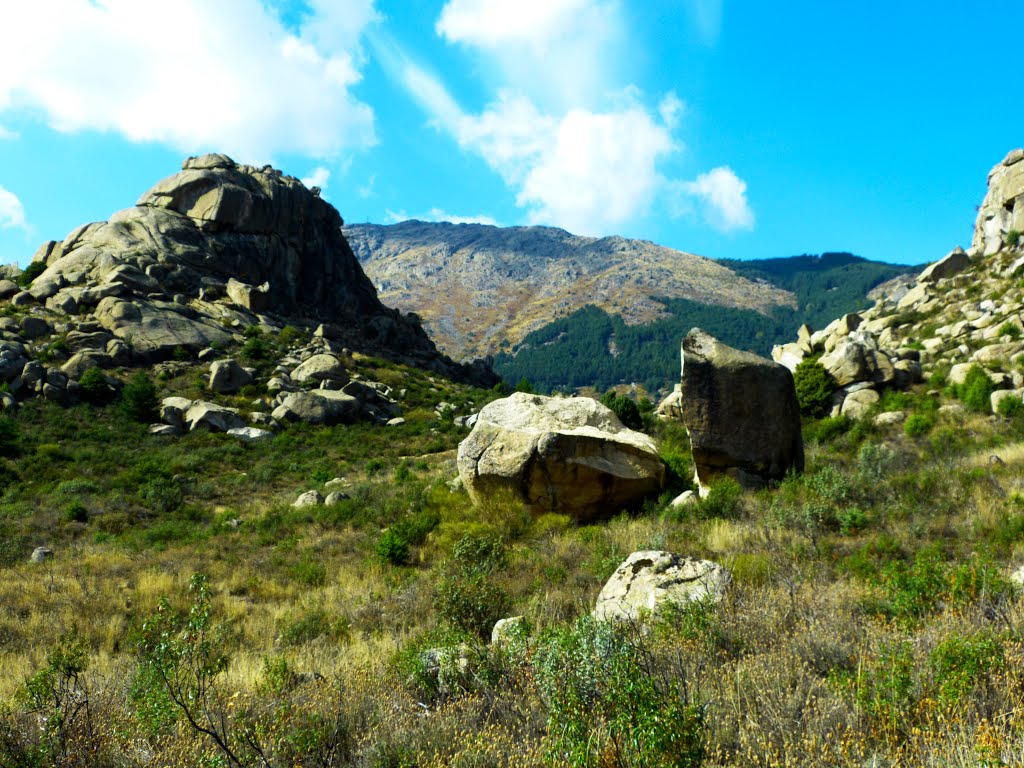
column 869, row 615
column 592, row 347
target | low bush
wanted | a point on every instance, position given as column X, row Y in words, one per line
column 814, row 388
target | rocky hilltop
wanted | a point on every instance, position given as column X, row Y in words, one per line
column 965, row 310
column 476, row 286
column 203, row 256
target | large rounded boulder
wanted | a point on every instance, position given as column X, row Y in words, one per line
column 567, row 455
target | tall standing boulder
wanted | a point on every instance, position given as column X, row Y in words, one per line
column 741, row 412
column 567, row 455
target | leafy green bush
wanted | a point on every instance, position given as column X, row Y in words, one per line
column 603, row 696
column 723, row 500
column 139, row 400
column 814, row 388
column 959, row 663
column 886, row 688
column 31, row 272
column 976, row 391
column 1012, row 238
column 1010, row 407
column 623, row 407
column 827, row 429
column 95, row 388
column 918, row 424
column 76, row 512
column 467, row 595
column 393, row 547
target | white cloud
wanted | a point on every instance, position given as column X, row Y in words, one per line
column 723, row 195
column 7, row 133
column 559, row 52
column 191, row 74
column 12, row 213
column 437, row 214
column 318, row 177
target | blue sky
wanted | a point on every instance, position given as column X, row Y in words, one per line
column 727, row 129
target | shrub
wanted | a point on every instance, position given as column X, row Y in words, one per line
column 1010, row 407
column 959, row 663
column 918, row 424
column 32, row 271
column 76, row 512
column 467, row 595
column 885, row 688
column 723, row 499
column 393, row 547
column 604, row 698
column 1011, row 330
column 1012, row 238
column 827, row 429
column 627, row 411
column 95, row 388
column 977, row 389
column 814, row 388
column 139, row 400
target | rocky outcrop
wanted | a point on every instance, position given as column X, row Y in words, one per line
column 966, row 309
column 741, row 412
column 565, row 455
column 215, row 249
column 1002, row 210
column 648, row 581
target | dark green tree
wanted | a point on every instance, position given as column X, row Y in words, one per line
column 814, row 388
column 139, row 400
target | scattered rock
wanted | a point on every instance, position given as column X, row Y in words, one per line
column 890, row 418
column 856, row 405
column 741, row 412
column 216, row 418
column 335, row 497
column 510, row 631
column 322, row 406
column 228, row 376
column 684, row 499
column 647, row 580
column 309, row 499
column 41, row 554
column 565, row 455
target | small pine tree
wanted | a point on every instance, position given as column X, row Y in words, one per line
column 139, row 399
column 814, row 388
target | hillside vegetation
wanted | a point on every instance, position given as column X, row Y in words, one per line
column 594, row 348
column 191, row 615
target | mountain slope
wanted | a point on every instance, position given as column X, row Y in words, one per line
column 477, row 286
column 568, row 311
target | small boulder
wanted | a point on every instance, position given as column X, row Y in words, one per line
column 322, row 406
column 319, row 368
column 510, row 631
column 308, row 499
column 215, row 418
column 228, row 376
column 857, row 404
column 953, row 263
column 41, row 554
column 648, row 580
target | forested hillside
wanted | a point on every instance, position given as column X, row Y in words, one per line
column 592, row 347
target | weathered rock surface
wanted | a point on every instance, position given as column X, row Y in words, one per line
column 206, row 251
column 566, row 455
column 321, row 406
column 228, row 376
column 741, row 412
column 647, row 581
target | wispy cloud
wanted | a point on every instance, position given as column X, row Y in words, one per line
column 591, row 162
column 12, row 212
column 190, row 74
column 318, row 177
column 723, row 198
column 437, row 214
